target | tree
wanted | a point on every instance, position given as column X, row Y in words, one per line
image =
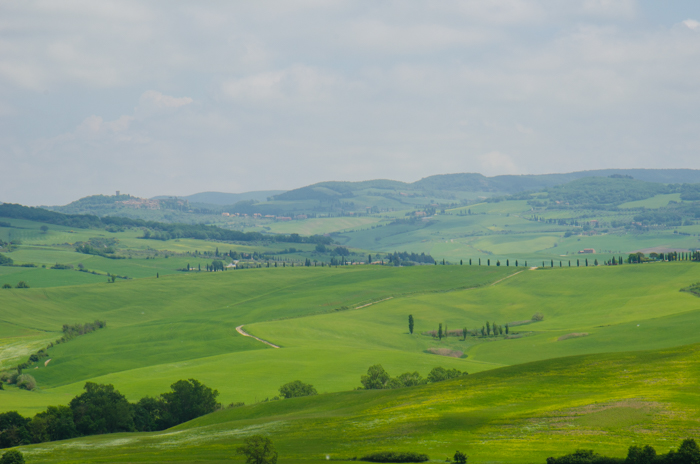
column 409, row 379
column 460, row 458
column 688, row 452
column 12, row 457
column 507, row 329
column 488, row 328
column 187, row 400
column 464, row 333
column 296, row 389
column 410, row 323
column 101, row 409
column 22, row 284
column 375, row 379
column 369, row 259
column 258, row 450
column 440, row 331
column 112, row 277
column 56, row 423
column 44, row 229
column 639, row 455
column 13, row 430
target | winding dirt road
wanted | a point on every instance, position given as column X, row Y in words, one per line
column 240, row 330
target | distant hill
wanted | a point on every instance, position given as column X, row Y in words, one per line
column 474, row 182
column 223, row 199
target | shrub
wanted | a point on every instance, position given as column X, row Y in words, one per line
column 296, row 389
column 26, row 382
column 537, row 317
column 7, row 286
column 438, row 374
column 22, row 284
column 258, row 450
column 12, row 457
column 188, row 400
column 62, row 266
column 460, row 458
column 390, row 456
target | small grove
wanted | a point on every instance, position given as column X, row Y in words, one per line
column 102, row 409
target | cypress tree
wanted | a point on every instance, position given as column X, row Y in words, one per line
column 507, row 262
column 440, row 331
column 488, row 328
column 410, row 323
column 488, row 262
column 460, row 262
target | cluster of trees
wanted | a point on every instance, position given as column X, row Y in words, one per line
column 102, row 409
column 672, row 215
column 404, row 258
column 687, row 453
column 5, row 260
column 636, row 258
column 378, row 379
column 395, row 457
column 20, row 284
column 296, row 389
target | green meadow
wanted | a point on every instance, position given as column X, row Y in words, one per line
column 522, row 413
column 612, row 362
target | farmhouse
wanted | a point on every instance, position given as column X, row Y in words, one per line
column 587, row 250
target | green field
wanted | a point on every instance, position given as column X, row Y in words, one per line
column 612, row 362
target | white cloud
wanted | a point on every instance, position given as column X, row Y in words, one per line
column 496, row 163
column 692, row 24
column 308, row 90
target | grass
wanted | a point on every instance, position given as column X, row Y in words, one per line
column 162, row 330
column 522, row 413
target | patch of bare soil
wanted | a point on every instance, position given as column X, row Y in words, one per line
column 446, row 352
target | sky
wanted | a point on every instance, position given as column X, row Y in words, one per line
column 174, row 98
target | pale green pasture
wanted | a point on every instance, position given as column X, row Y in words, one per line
column 655, row 202
column 320, row 226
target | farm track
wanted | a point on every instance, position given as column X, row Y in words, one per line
column 240, row 330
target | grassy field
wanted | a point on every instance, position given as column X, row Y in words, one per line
column 162, row 330
column 523, row 413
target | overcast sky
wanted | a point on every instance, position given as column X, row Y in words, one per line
column 174, row 98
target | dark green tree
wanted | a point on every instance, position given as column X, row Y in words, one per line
column 101, row 409
column 488, row 328
column 460, row 458
column 639, row 455
column 440, row 331
column 12, row 457
column 258, row 449
column 464, row 333
column 375, row 379
column 410, row 324
column 187, row 400
column 296, row 389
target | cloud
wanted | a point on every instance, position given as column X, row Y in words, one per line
column 149, row 96
column 495, row 163
column 692, row 24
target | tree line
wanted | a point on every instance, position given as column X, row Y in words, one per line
column 152, row 229
column 101, row 409
column 687, row 453
column 378, row 379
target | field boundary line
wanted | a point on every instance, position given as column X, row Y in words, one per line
column 240, row 330
column 506, row 277
column 373, row 302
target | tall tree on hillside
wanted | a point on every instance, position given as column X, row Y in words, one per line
column 488, row 328
column 464, row 333
column 410, row 323
column 440, row 331
column 369, row 259
column 506, row 329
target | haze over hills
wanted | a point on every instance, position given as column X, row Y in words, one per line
column 221, row 198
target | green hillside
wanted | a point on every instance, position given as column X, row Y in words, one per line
column 523, row 413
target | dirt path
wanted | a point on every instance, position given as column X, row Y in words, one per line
column 506, row 277
column 374, row 302
column 240, row 330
